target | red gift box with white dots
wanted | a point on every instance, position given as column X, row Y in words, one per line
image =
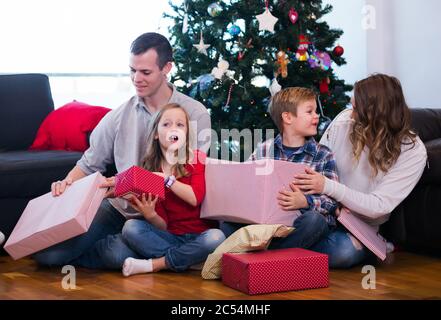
column 275, row 271
column 136, row 181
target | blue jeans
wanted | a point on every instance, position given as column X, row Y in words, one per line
column 180, row 252
column 90, row 249
column 310, row 227
column 339, row 246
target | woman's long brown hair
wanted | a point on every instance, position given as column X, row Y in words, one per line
column 382, row 121
column 153, row 157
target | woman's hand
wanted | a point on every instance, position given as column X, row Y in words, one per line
column 310, row 183
column 292, row 200
column 146, row 206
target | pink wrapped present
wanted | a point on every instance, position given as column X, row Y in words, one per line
column 48, row 220
column 367, row 234
column 247, row 192
column 275, row 270
column 136, row 181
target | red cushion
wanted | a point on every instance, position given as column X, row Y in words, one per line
column 66, row 128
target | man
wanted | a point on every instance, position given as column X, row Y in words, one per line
column 120, row 138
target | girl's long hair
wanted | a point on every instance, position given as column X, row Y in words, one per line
column 382, row 121
column 153, row 157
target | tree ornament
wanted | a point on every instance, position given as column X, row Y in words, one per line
column 274, row 87
column 302, row 51
column 266, row 20
column 324, row 120
column 234, row 30
column 185, row 21
column 185, row 24
column 222, row 68
column 320, row 59
column 249, row 45
column 205, row 81
column 201, row 46
column 324, row 86
column 227, row 104
column 338, row 51
column 282, row 61
column 293, row 15
column 214, row 10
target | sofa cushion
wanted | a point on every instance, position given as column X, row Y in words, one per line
column 25, row 100
column 30, row 173
column 67, row 128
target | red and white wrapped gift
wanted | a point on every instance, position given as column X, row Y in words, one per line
column 136, row 181
column 275, row 271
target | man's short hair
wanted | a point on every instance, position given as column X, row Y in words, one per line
column 152, row 40
column 288, row 100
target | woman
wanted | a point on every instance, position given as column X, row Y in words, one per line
column 379, row 160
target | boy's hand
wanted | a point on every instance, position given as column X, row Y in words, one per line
column 146, row 206
column 110, row 184
column 311, row 183
column 292, row 200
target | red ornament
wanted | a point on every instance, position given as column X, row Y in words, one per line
column 240, row 55
column 293, row 15
column 338, row 51
column 324, row 86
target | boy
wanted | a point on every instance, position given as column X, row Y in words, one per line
column 293, row 110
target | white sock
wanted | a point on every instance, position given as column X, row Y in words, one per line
column 134, row 266
column 2, row 238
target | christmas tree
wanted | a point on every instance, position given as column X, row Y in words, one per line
column 232, row 55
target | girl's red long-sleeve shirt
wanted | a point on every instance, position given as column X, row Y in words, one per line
column 181, row 217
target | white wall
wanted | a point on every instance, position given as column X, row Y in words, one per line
column 347, row 16
column 407, row 44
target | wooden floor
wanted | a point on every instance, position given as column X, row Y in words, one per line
column 407, row 276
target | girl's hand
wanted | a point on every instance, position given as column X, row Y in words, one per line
column 292, row 200
column 311, row 183
column 146, row 206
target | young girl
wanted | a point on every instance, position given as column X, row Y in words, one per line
column 172, row 235
column 380, row 160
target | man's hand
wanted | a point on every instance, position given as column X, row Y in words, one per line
column 58, row 187
column 110, row 185
column 311, row 183
column 146, row 206
column 293, row 199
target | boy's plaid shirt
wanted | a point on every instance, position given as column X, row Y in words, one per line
column 318, row 157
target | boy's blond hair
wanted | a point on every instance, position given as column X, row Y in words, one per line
column 288, row 100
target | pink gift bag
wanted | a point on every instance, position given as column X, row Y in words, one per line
column 247, row 192
column 48, row 220
column 367, row 234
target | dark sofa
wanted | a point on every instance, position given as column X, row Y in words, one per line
column 25, row 101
